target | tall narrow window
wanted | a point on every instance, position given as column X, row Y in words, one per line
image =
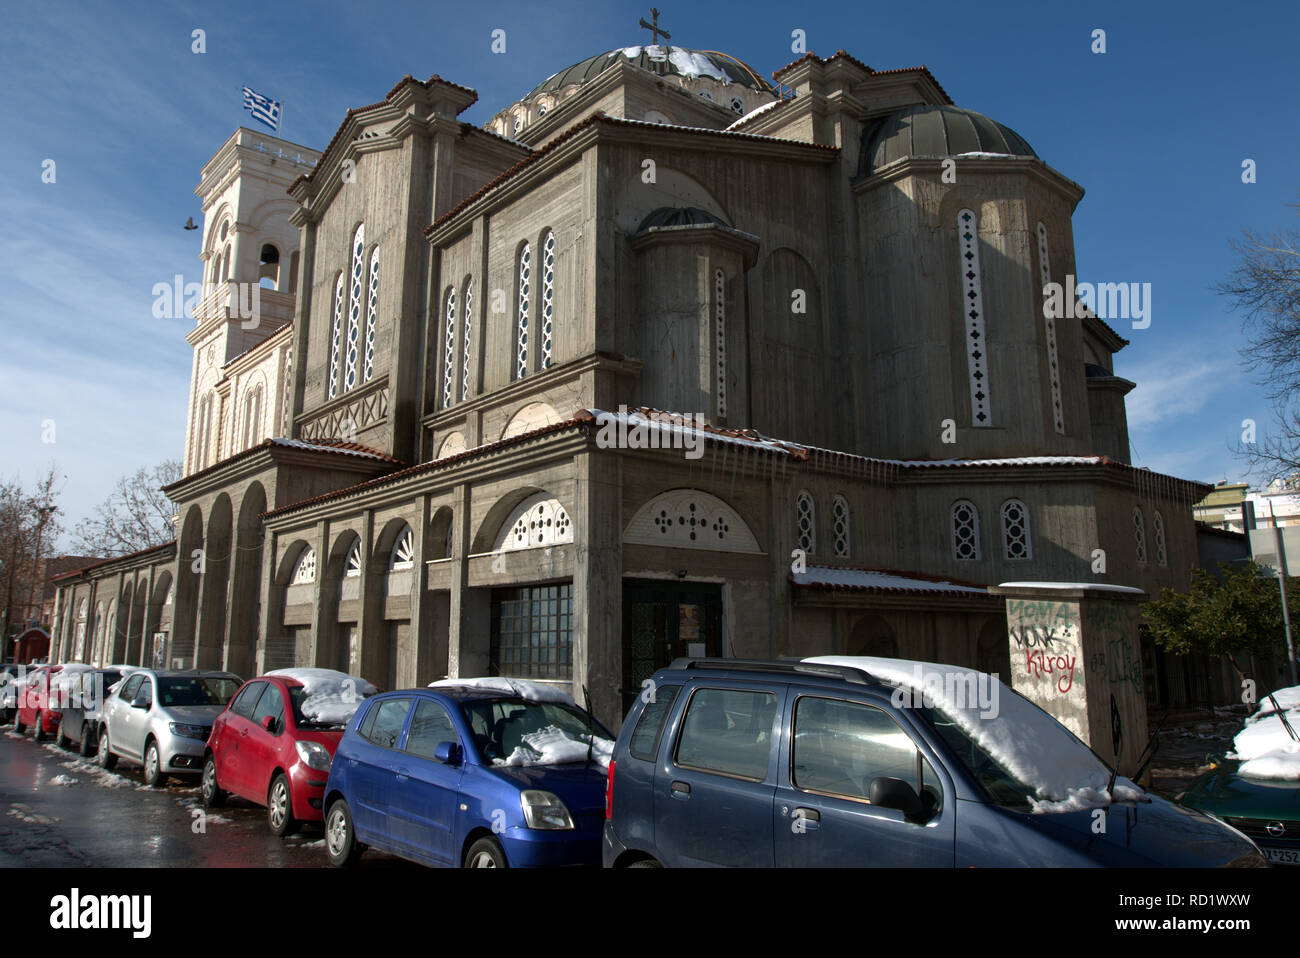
column 973, row 318
column 286, row 414
column 720, row 322
column 204, row 432
column 547, row 321
column 965, row 531
column 467, row 309
column 841, row 527
column 252, row 416
column 449, row 348
column 355, row 289
column 1140, row 534
column 336, row 338
column 372, row 317
column 1015, row 530
column 521, row 320
column 1049, row 331
column 1158, row 534
column 805, row 523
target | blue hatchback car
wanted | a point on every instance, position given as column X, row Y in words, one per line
column 467, row 775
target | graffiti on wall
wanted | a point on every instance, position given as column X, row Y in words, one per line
column 1114, row 634
column 1046, row 634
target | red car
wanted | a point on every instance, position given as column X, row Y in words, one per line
column 34, row 707
column 265, row 748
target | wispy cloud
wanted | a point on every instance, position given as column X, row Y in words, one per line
column 1175, row 386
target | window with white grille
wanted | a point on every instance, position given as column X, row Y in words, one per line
column 352, row 564
column 805, row 523
column 840, row 526
column 1140, row 534
column 403, row 555
column 1158, row 533
column 372, row 317
column 972, row 303
column 352, row 346
column 720, row 321
column 467, row 309
column 521, row 315
column 305, row 570
column 547, row 320
column 965, row 531
column 449, row 348
column 336, row 339
column 1015, row 530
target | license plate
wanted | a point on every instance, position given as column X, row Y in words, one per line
column 1282, row 856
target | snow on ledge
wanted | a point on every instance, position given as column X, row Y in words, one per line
column 867, row 579
column 1091, row 586
column 526, row 689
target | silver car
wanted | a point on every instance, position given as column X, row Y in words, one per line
column 161, row 720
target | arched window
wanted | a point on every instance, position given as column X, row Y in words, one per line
column 83, row 614
column 805, row 523
column 403, row 554
column 841, row 527
column 539, row 520
column 252, row 415
column 287, row 411
column 1158, row 533
column 336, row 339
column 203, row 426
column 720, row 321
column 468, row 310
column 521, row 314
column 547, row 321
column 355, row 289
column 738, row 105
column 965, row 531
column 225, row 263
column 372, row 317
column 1140, row 534
column 97, row 646
column 972, row 302
column 449, row 348
column 268, row 267
column 1016, row 541
column 110, row 630
column 352, row 564
column 305, row 569
column 1049, row 330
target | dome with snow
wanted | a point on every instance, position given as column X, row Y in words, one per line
column 671, row 61
column 936, row 131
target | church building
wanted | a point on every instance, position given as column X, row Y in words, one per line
column 667, row 358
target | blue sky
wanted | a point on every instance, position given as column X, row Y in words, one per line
column 1155, row 130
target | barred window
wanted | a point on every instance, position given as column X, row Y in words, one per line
column 521, row 316
column 1140, row 534
column 532, row 632
column 336, row 339
column 547, row 321
column 372, row 317
column 1015, row 530
column 805, row 523
column 1158, row 533
column 841, row 527
column 449, row 348
column 965, row 530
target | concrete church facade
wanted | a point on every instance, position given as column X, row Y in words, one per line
column 837, row 411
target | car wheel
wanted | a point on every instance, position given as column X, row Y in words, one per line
column 61, row 740
column 486, row 853
column 279, row 807
column 38, row 728
column 106, row 757
column 645, row 863
column 87, row 740
column 340, row 838
column 209, row 790
column 153, row 774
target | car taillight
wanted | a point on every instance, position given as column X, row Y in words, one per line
column 609, row 793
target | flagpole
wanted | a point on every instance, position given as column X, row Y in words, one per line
column 279, row 123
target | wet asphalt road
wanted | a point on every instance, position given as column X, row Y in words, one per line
column 59, row 810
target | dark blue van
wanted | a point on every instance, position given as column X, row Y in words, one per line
column 785, row 763
column 472, row 776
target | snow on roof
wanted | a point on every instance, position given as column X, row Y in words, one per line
column 346, row 449
column 1265, row 748
column 1071, row 585
column 1014, row 461
column 868, row 579
column 525, row 689
column 755, row 112
column 675, row 429
column 686, row 62
column 1031, row 745
column 331, row 697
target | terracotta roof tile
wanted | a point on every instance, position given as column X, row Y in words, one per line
column 74, row 573
column 332, row 446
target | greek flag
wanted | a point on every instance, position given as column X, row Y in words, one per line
column 263, row 108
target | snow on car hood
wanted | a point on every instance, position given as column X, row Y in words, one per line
column 330, row 697
column 1031, row 745
column 1264, row 747
column 553, row 746
column 525, row 689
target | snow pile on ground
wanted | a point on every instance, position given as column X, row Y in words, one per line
column 525, row 689
column 1031, row 745
column 331, row 697
column 554, row 746
column 1264, row 747
column 64, row 780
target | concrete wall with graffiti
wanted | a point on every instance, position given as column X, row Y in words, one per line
column 1045, row 640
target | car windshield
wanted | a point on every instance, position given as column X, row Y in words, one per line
column 1002, row 787
column 527, row 732
column 196, row 690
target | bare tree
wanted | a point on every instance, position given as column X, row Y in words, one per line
column 136, row 515
column 1265, row 288
column 29, row 527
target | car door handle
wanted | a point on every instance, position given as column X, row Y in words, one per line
column 810, row 817
column 403, row 773
column 681, row 790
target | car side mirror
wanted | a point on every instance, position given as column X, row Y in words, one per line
column 897, row 794
column 448, row 753
column 268, row 723
column 140, row 702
